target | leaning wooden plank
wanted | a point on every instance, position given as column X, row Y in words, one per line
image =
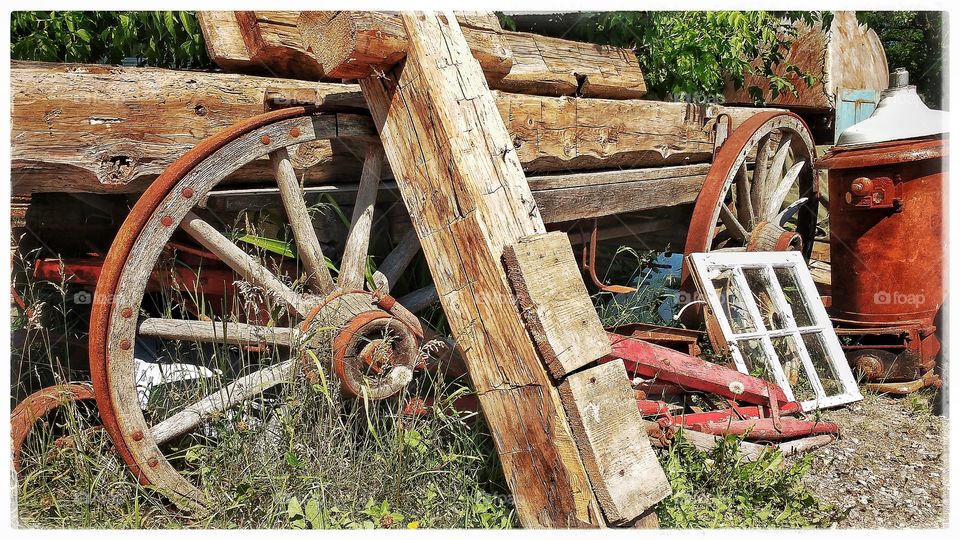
column 554, row 301
column 623, row 469
column 549, row 66
column 468, row 200
column 356, row 44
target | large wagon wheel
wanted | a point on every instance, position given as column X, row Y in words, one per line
column 372, row 339
column 769, row 204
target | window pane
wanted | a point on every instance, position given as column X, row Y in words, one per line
column 760, row 286
column 820, row 357
column 732, row 303
column 789, row 355
column 756, row 359
column 791, row 290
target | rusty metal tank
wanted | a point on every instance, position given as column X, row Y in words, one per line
column 887, row 237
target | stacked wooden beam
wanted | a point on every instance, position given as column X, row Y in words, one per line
column 105, row 129
column 354, row 43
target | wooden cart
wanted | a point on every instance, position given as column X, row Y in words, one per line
column 220, row 165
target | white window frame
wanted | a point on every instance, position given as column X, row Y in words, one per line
column 707, row 266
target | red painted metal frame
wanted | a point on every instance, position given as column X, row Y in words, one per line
column 760, row 429
column 691, row 373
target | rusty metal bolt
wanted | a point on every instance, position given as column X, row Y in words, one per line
column 187, row 193
column 126, row 313
column 265, row 139
column 138, row 436
column 125, row 345
column 295, row 132
column 861, row 186
column 153, row 462
column 166, row 221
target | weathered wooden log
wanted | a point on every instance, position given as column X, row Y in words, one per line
column 104, row 129
column 356, row 44
column 443, row 139
column 847, row 55
column 552, row 134
column 549, row 66
column 258, row 42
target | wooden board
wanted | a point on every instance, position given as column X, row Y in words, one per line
column 847, row 55
column 562, row 133
column 569, row 197
column 623, row 469
column 442, row 136
column 554, row 301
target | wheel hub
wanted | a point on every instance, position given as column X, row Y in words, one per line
column 772, row 237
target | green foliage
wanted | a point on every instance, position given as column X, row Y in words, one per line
column 153, row 38
column 914, row 40
column 719, row 489
column 690, row 52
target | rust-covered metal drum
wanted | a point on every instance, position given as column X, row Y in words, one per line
column 887, row 230
column 887, row 240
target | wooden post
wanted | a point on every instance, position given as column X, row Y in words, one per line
column 468, row 199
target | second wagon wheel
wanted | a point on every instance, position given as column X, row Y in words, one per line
column 761, row 193
column 234, row 356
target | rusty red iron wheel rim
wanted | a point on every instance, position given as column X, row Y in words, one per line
column 38, row 405
column 166, row 208
column 784, row 163
column 361, row 372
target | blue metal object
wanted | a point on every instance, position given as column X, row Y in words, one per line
column 853, row 106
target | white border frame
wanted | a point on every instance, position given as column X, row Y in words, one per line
column 706, row 266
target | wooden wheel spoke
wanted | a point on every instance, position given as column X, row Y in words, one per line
column 788, row 212
column 217, row 332
column 241, row 262
column 779, row 193
column 308, row 245
column 774, row 172
column 734, row 227
column 745, row 212
column 231, row 395
column 397, row 261
column 354, row 261
column 419, row 299
column 761, row 169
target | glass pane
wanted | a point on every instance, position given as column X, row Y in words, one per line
column 756, row 359
column 789, row 355
column 760, row 287
column 732, row 304
column 819, row 355
column 791, row 290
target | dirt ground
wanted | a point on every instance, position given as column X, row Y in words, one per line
column 889, row 469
